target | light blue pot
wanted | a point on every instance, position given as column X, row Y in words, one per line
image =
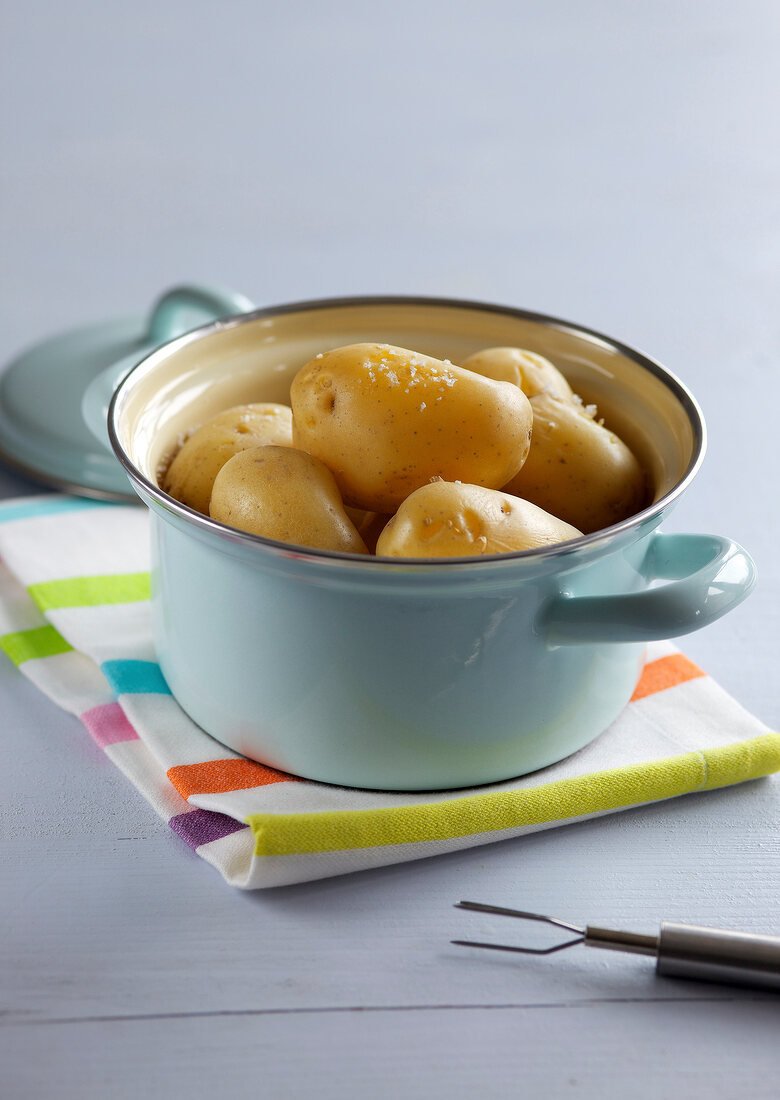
column 409, row 675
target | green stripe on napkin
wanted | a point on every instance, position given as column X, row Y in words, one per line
column 91, row 591
column 40, row 641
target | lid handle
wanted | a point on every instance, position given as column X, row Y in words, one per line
column 177, row 311
column 185, row 307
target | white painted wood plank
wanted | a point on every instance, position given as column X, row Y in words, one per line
column 722, row 1051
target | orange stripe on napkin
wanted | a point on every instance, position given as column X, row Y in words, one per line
column 665, row 673
column 216, row 776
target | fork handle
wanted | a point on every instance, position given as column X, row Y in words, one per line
column 712, row 955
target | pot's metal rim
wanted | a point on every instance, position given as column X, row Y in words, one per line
column 148, row 489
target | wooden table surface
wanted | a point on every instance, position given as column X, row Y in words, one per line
column 615, row 164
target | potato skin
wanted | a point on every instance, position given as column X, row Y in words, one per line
column 577, row 469
column 452, row 520
column 531, row 373
column 190, row 476
column 284, row 494
column 386, row 420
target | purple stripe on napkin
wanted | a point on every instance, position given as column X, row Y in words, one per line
column 200, row 826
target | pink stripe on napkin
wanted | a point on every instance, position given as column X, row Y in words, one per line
column 107, row 724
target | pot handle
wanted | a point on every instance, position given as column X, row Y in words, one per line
column 708, row 575
column 177, row 311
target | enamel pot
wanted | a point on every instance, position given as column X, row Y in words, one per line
column 410, row 675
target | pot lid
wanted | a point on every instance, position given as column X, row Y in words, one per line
column 54, row 397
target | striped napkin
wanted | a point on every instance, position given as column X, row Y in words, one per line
column 74, row 617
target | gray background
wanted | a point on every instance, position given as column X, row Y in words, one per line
column 615, row 164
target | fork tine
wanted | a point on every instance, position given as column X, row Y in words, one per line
column 480, row 907
column 520, row 950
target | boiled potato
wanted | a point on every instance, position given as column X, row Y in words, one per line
column 190, row 476
column 451, row 520
column 576, row 468
column 284, row 494
column 386, row 420
column 531, row 373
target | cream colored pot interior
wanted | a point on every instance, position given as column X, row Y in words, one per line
column 181, row 386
